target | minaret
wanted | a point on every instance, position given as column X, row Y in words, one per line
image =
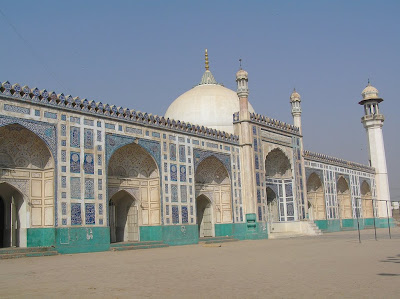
column 295, row 101
column 373, row 122
column 247, row 144
column 296, row 108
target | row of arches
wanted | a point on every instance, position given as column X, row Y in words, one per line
column 317, row 203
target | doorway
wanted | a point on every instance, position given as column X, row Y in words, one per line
column 124, row 222
column 204, row 216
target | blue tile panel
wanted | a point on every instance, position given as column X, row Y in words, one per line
column 76, row 214
column 75, row 188
column 173, row 172
column 90, row 213
column 89, row 188
column 75, row 162
column 175, row 214
column 75, row 136
column 182, row 153
column 184, row 214
column 182, row 173
column 88, row 138
column 88, row 164
column 174, row 193
column 172, row 152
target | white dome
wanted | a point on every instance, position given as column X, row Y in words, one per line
column 208, row 104
column 370, row 92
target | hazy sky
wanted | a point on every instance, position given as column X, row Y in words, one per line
column 144, row 54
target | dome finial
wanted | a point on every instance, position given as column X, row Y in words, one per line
column 240, row 63
column 207, row 66
column 369, row 84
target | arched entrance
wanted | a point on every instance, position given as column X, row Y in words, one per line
column 316, row 199
column 344, row 199
column 366, row 199
column 134, row 192
column 26, row 185
column 213, row 195
column 11, row 201
column 204, row 216
column 124, row 221
column 278, row 174
column 272, row 202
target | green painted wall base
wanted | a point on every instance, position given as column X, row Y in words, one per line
column 351, row 224
column 82, row 239
column 240, row 231
column 171, row 234
column 41, row 237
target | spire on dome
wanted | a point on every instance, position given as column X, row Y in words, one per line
column 208, row 77
column 207, row 66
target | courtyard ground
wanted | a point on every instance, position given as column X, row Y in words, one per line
column 334, row 265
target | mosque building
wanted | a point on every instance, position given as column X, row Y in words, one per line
column 82, row 176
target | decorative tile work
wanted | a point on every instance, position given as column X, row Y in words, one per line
column 63, row 168
column 64, row 208
column 259, row 214
column 76, row 120
column 184, row 214
column 181, row 139
column 155, row 134
column 119, row 128
column 63, row 194
column 165, row 167
column 89, row 188
column 50, row 115
column 63, row 130
column 133, row 130
column 100, row 184
column 174, row 193
column 172, row 152
column 256, row 162
column 167, row 210
column 183, row 193
column 17, row 109
column 190, row 170
column 182, row 173
column 147, row 133
column 63, row 156
column 88, row 138
column 99, row 124
column 99, row 160
column 166, row 188
column 99, row 147
column 258, row 196
column 98, row 135
column 200, row 155
column 110, row 126
column 191, row 210
column 37, row 112
column 153, row 148
column 114, row 142
column 182, row 153
column 190, row 190
column 88, row 164
column 63, row 182
column 100, row 209
column 63, row 143
column 75, row 166
column 75, row 135
column 88, row 122
column 173, row 172
column 101, row 221
column 63, row 117
column 90, row 213
column 100, row 197
column 64, row 221
column 75, row 187
column 175, row 214
column 76, row 217
column 99, row 171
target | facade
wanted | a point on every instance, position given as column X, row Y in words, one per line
column 79, row 175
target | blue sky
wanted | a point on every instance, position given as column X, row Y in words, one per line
column 144, row 54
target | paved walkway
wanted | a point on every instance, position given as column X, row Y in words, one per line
column 334, row 265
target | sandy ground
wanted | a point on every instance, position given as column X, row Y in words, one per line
column 333, row 265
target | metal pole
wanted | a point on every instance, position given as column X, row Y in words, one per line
column 387, row 210
column 358, row 226
column 373, row 207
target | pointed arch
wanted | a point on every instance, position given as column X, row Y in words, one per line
column 277, row 164
column 366, row 200
column 316, row 198
column 344, row 198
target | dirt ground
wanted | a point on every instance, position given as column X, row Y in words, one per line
column 334, row 265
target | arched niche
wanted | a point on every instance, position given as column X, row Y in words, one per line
column 27, row 164
column 212, row 180
column 366, row 200
column 315, row 196
column 133, row 169
column 344, row 199
column 277, row 165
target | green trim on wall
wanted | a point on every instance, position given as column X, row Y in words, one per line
column 41, row 237
column 328, row 225
column 171, row 234
column 240, row 231
column 82, row 239
column 351, row 224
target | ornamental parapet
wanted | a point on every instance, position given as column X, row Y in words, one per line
column 75, row 104
column 269, row 122
column 317, row 157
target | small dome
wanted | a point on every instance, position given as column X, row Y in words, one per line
column 207, row 104
column 242, row 74
column 370, row 92
column 295, row 96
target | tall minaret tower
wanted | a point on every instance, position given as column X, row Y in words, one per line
column 247, row 144
column 373, row 122
column 296, row 108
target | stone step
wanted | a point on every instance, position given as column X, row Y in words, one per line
column 220, row 241
column 27, row 254
column 136, row 247
column 136, row 243
column 10, row 250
